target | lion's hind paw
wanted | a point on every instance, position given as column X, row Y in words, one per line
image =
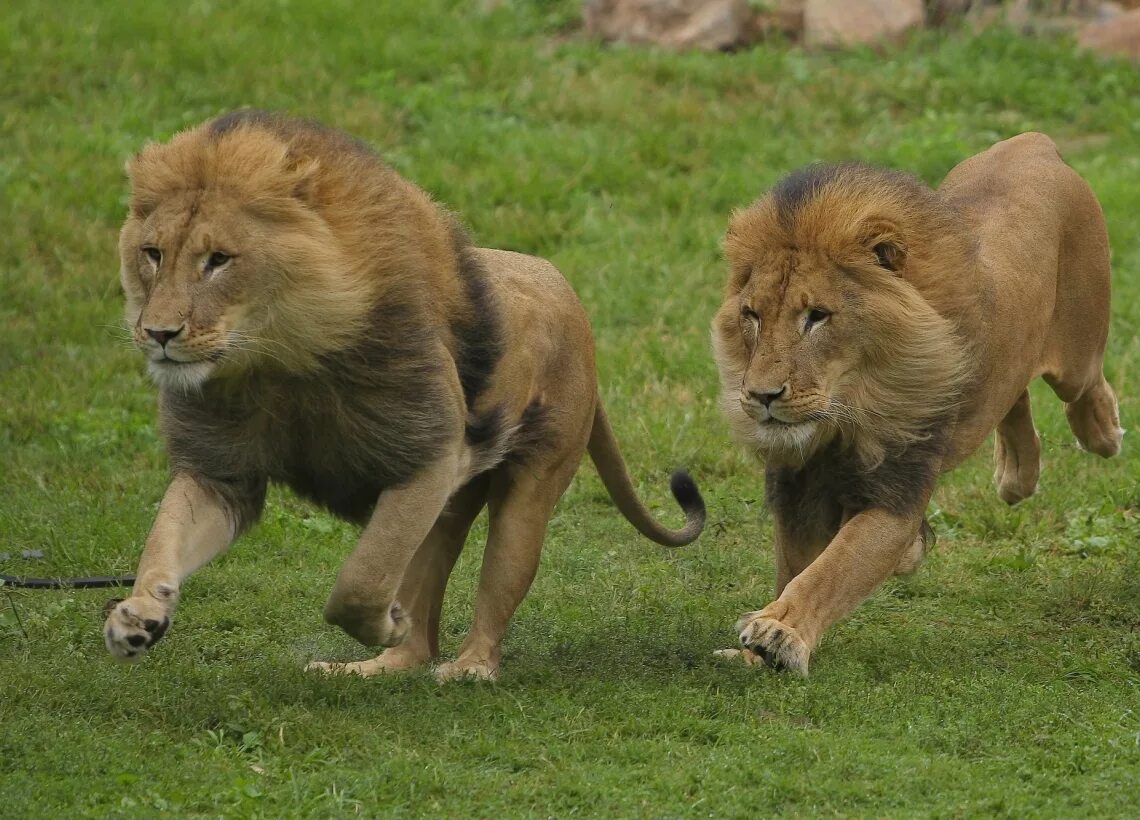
column 476, row 669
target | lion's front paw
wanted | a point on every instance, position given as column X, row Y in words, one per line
column 778, row 644
column 133, row 626
column 372, row 626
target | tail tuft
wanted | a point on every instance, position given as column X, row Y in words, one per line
column 689, row 497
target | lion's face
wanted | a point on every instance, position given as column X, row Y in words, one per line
column 787, row 343
column 199, row 287
column 226, row 264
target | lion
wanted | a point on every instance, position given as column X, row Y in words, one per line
column 875, row 331
column 311, row 318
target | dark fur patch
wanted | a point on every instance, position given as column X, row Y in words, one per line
column 247, row 116
column 367, row 420
column 834, row 482
column 287, row 128
column 803, row 502
column 242, row 494
column 485, row 428
column 801, row 186
column 480, row 337
column 533, row 433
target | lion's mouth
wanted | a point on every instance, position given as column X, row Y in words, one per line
column 180, row 374
column 171, row 363
column 767, row 416
column 167, row 360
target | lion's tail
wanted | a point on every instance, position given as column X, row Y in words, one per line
column 604, row 451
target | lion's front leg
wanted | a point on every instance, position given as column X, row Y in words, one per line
column 800, row 534
column 192, row 527
column 363, row 600
column 866, row 551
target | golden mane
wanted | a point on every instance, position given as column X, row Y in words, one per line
column 348, row 231
column 903, row 252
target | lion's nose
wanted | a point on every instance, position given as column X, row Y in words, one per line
column 766, row 397
column 162, row 335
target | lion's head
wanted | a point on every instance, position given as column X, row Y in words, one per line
column 235, row 255
column 838, row 318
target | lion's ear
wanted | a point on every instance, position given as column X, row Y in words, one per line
column 890, row 255
column 882, row 239
column 303, row 175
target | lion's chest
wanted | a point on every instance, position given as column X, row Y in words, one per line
column 338, row 445
column 335, row 464
column 835, row 483
column 345, row 451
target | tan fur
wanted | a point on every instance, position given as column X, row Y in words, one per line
column 353, row 342
column 941, row 306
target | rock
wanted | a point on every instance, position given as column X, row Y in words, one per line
column 859, row 22
column 782, row 17
column 1117, row 37
column 1108, row 11
column 940, row 12
column 681, row 24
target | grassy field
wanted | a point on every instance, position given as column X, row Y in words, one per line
column 1003, row 679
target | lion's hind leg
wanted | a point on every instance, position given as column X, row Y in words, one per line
column 422, row 588
column 1090, row 403
column 520, row 504
column 1073, row 364
column 1017, row 453
column 1094, row 418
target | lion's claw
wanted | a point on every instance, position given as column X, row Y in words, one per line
column 778, row 644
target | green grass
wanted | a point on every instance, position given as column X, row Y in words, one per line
column 1002, row 679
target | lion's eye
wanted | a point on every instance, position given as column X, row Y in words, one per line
column 217, row 259
column 153, row 254
column 814, row 317
column 749, row 314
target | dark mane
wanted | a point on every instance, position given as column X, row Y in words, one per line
column 289, row 127
column 798, row 189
